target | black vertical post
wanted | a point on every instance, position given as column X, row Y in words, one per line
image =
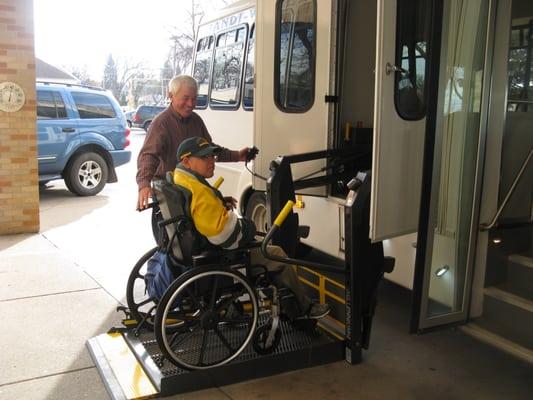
column 365, row 265
column 280, row 189
column 353, row 253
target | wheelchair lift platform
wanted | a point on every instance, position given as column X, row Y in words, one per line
column 132, row 367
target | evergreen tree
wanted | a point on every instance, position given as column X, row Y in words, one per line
column 110, row 79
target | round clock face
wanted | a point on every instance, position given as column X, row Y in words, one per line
column 12, row 97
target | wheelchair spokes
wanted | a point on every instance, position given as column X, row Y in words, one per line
column 142, row 307
column 218, row 329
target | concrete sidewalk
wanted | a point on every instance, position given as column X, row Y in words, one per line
column 61, row 287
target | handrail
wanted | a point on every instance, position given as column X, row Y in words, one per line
column 486, row 227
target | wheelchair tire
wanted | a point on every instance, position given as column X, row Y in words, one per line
column 197, row 324
column 139, row 303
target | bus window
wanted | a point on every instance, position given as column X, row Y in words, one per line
column 411, row 48
column 295, row 55
column 227, row 68
column 248, row 89
column 202, row 69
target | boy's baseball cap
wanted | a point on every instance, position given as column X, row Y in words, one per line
column 196, row 147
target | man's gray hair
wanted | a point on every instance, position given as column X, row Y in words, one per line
column 178, row 81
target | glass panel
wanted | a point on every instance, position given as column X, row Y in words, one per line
column 45, row 105
column 248, row 91
column 60, row 106
column 227, row 68
column 202, row 69
column 413, row 34
column 517, row 135
column 296, row 55
column 462, row 61
column 510, row 244
column 93, row 106
column 520, row 67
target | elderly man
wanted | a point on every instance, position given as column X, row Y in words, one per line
column 177, row 123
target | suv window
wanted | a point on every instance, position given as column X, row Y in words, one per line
column 50, row 105
column 93, row 105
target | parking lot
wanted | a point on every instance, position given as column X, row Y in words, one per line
column 61, row 287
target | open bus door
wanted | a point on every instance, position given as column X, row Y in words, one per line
column 427, row 161
column 399, row 119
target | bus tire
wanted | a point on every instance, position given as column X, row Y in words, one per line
column 256, row 211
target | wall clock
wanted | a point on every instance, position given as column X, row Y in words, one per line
column 12, row 97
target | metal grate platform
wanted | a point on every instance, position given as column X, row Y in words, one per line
column 297, row 349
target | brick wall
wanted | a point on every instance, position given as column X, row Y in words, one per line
column 19, row 189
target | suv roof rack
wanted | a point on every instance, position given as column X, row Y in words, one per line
column 71, row 85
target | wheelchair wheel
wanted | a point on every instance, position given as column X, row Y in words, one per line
column 141, row 306
column 259, row 342
column 206, row 317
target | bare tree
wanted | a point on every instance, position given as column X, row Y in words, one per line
column 82, row 74
column 182, row 38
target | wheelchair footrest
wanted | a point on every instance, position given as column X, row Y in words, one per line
column 297, row 349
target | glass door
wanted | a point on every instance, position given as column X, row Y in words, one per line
column 453, row 187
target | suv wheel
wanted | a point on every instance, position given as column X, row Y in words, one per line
column 87, row 174
column 147, row 125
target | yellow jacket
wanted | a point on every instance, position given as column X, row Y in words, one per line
column 221, row 227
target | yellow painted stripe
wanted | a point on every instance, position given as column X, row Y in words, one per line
column 132, row 379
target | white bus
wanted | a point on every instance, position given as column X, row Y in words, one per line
column 443, row 99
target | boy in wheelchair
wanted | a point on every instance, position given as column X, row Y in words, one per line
column 220, row 227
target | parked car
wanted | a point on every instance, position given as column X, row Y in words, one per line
column 129, row 117
column 81, row 135
column 144, row 115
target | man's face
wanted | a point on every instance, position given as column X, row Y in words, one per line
column 184, row 101
column 204, row 166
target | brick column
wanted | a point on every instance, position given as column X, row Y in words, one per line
column 19, row 188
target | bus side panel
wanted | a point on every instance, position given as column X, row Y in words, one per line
column 279, row 132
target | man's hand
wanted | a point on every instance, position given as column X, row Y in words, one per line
column 242, row 153
column 230, row 203
column 144, row 195
column 247, row 154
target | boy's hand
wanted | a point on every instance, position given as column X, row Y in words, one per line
column 230, row 203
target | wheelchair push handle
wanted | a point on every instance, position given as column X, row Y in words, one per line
column 218, row 182
column 149, row 205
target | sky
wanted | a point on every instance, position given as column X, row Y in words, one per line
column 83, row 33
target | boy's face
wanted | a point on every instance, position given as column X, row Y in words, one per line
column 204, row 166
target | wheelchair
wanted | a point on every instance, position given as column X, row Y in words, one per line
column 218, row 302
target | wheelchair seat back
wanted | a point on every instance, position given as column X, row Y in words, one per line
column 184, row 241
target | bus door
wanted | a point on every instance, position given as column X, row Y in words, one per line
column 293, row 66
column 399, row 116
column 438, row 163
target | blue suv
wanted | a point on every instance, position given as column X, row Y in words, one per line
column 81, row 135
